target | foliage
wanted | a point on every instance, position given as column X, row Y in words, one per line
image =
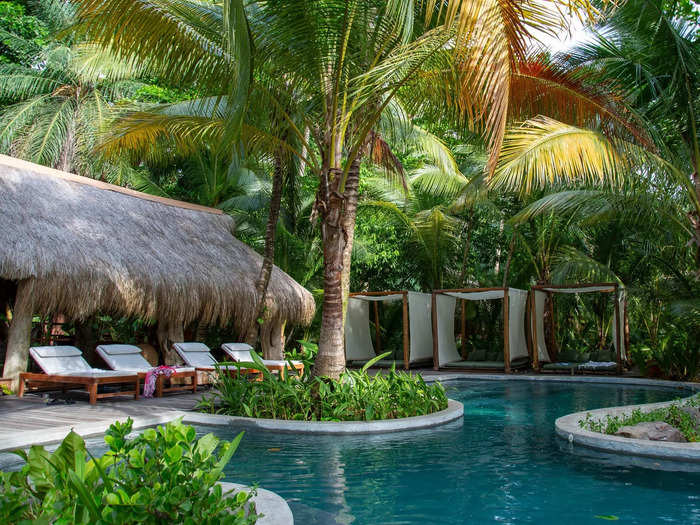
column 672, row 414
column 21, row 34
column 164, row 473
column 356, row 396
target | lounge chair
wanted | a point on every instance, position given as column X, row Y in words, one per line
column 128, row 358
column 64, row 366
column 199, row 356
column 240, row 352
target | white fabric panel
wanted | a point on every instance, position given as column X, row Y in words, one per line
column 447, row 346
column 620, row 327
column 379, row 298
column 421, row 326
column 585, row 289
column 358, row 341
column 517, row 304
column 542, row 353
column 477, row 296
column 123, row 357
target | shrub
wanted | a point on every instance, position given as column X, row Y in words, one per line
column 162, row 475
column 356, row 396
column 672, row 414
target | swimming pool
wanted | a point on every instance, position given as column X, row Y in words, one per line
column 502, row 463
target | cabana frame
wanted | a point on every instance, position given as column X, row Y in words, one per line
column 463, row 327
column 407, row 321
column 620, row 335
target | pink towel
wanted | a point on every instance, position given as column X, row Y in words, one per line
column 149, row 385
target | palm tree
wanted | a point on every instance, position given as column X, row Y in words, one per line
column 59, row 105
column 346, row 61
column 651, row 55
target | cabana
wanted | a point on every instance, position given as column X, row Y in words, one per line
column 515, row 350
column 537, row 307
column 77, row 246
column 416, row 328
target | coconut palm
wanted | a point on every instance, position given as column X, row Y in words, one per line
column 58, row 106
column 652, row 56
column 346, row 61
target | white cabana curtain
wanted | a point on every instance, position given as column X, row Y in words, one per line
column 358, row 341
column 447, row 346
column 517, row 306
column 446, row 304
column 420, row 325
column 542, row 354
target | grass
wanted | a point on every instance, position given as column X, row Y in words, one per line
column 672, row 414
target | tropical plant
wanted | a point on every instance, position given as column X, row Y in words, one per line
column 59, row 105
column 355, row 396
column 163, row 472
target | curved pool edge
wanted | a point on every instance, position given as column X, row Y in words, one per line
column 454, row 411
column 567, row 427
column 274, row 507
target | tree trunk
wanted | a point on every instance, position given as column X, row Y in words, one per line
column 330, row 360
column 167, row 335
column 351, row 198
column 20, row 334
column 272, row 339
column 511, row 249
column 269, row 256
column 467, row 245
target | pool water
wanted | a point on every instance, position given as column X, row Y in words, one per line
column 502, row 464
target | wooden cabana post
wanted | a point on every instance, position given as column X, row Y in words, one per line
column 464, row 327
column 617, row 332
column 377, row 328
column 506, row 332
column 406, row 355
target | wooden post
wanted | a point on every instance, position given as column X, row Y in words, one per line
column 377, row 329
column 464, row 328
column 506, row 330
column 406, row 349
column 617, row 332
column 533, row 324
column 626, row 321
column 19, row 337
column 433, row 315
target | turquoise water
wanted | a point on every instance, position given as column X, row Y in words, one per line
column 502, row 464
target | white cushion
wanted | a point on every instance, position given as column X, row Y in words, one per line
column 124, row 357
column 59, row 360
column 238, row 351
column 195, row 354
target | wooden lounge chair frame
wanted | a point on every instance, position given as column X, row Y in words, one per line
column 89, row 383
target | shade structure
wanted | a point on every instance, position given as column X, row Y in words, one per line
column 417, row 332
column 537, row 305
column 89, row 246
column 515, row 350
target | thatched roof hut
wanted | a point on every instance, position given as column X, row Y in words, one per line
column 90, row 246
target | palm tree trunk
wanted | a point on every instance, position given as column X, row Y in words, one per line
column 467, row 246
column 330, row 360
column 269, row 255
column 511, row 249
column 351, row 198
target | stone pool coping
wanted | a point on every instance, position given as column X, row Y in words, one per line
column 274, row 507
column 568, row 428
column 454, row 410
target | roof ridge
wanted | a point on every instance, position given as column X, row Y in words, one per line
column 6, row 160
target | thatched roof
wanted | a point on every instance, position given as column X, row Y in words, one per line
column 93, row 247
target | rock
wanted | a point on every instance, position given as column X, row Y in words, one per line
column 653, row 431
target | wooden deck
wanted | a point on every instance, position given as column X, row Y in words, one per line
column 32, row 420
